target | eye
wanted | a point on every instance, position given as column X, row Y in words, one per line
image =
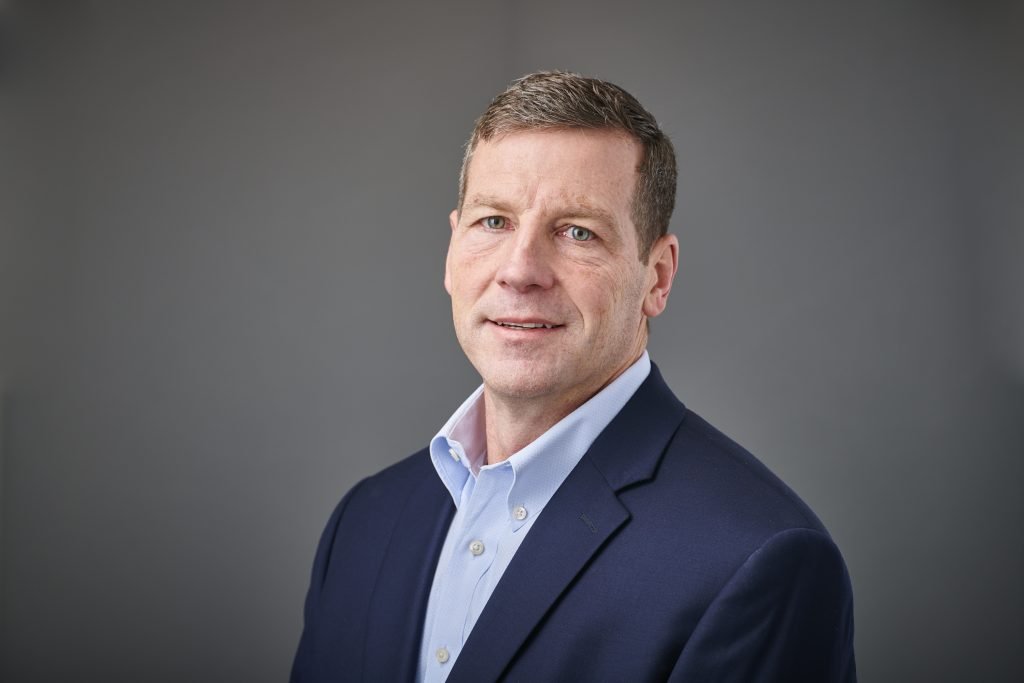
column 578, row 234
column 495, row 223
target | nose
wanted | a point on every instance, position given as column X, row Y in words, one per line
column 527, row 260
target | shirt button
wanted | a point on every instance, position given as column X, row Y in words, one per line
column 476, row 547
column 519, row 513
column 455, row 456
column 442, row 655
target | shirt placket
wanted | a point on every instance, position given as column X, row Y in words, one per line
column 472, row 557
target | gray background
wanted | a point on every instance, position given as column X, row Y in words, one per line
column 223, row 231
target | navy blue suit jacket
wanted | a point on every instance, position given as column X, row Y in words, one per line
column 669, row 553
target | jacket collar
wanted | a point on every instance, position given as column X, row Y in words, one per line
column 581, row 516
column 577, row 521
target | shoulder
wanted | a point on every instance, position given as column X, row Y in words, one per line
column 679, row 475
column 711, row 504
column 384, row 491
column 367, row 514
column 729, row 476
column 712, row 514
column 406, row 472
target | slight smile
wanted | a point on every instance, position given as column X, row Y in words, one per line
column 524, row 325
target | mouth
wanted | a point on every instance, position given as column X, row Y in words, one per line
column 508, row 324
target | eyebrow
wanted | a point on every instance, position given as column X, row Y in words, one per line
column 583, row 209
column 577, row 209
column 478, row 201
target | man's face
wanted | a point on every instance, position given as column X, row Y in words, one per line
column 549, row 296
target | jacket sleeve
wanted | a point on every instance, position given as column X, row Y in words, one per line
column 786, row 615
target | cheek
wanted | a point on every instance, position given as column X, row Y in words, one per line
column 466, row 277
column 475, row 244
column 468, row 287
column 602, row 296
column 618, row 298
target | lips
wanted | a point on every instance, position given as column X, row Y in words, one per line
column 525, row 324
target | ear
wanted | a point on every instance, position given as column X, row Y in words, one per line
column 661, row 270
column 453, row 220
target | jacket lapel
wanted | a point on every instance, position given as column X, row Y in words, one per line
column 576, row 523
column 394, row 626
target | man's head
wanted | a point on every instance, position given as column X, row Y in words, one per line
column 555, row 99
column 552, row 281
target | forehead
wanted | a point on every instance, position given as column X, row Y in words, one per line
column 578, row 165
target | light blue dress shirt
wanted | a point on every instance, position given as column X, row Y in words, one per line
column 496, row 505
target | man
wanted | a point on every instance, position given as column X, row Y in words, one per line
column 572, row 521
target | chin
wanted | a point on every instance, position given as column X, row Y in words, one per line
column 521, row 380
column 518, row 387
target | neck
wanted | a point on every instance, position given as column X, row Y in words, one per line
column 512, row 423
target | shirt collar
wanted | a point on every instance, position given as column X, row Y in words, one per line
column 458, row 451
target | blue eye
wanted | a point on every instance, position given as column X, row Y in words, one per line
column 579, row 234
column 494, row 223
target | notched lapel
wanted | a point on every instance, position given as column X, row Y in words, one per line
column 395, row 624
column 574, row 525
